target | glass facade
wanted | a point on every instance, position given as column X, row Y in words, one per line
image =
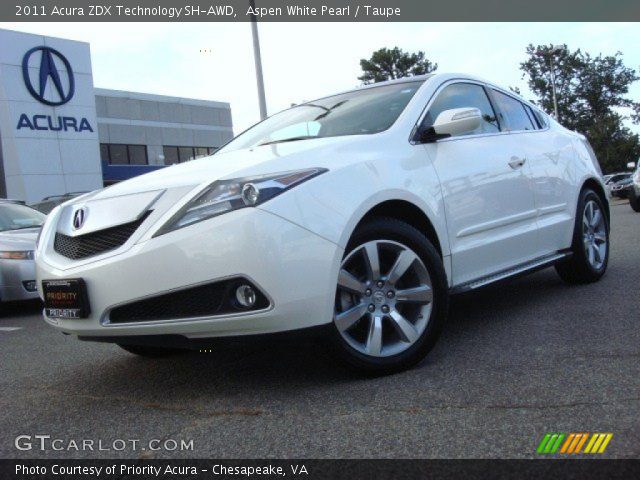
column 120, row 154
column 175, row 154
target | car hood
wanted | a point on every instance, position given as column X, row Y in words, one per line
column 19, row 239
column 279, row 157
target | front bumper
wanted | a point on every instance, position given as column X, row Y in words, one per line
column 622, row 192
column 13, row 275
column 295, row 268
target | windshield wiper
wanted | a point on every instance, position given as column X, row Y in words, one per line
column 23, row 228
column 329, row 110
column 290, row 139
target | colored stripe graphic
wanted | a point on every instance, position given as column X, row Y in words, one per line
column 543, row 443
column 581, row 442
column 550, row 443
column 605, row 443
column 598, row 443
column 556, row 445
column 567, row 443
column 574, row 446
column 572, row 443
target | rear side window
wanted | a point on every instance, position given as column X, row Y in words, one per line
column 542, row 120
column 532, row 117
column 464, row 95
column 514, row 111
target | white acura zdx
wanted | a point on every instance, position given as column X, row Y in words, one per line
column 360, row 212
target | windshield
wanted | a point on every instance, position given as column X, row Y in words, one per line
column 15, row 217
column 360, row 112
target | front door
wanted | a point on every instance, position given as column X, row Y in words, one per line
column 486, row 187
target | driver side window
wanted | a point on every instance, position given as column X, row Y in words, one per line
column 464, row 95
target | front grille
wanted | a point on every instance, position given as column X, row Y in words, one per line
column 94, row 243
column 217, row 298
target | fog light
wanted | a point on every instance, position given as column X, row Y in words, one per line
column 246, row 296
column 29, row 285
column 250, row 194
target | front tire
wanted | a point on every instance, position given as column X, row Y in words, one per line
column 391, row 298
column 590, row 246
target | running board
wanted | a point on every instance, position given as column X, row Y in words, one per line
column 521, row 269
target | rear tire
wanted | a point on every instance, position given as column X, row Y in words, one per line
column 396, row 287
column 634, row 201
column 151, row 352
column 590, row 245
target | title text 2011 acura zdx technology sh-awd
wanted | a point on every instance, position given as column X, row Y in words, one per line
column 362, row 212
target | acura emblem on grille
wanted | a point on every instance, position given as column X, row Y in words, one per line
column 79, row 217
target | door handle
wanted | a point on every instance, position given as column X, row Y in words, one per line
column 517, row 162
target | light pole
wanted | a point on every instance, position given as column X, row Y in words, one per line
column 555, row 49
column 258, row 62
column 553, row 88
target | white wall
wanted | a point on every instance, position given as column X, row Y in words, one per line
column 38, row 163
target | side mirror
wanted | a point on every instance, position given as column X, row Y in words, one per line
column 631, row 165
column 455, row 121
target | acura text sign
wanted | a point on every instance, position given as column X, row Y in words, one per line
column 49, row 139
column 53, row 84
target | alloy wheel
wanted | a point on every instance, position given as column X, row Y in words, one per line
column 594, row 235
column 384, row 298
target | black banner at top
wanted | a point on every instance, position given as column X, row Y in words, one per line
column 317, row 10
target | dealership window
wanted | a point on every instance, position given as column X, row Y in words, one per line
column 174, row 154
column 121, row 154
column 170, row 155
column 185, row 154
column 201, row 152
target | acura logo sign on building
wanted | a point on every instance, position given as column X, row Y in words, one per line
column 50, row 88
column 48, row 118
column 49, row 73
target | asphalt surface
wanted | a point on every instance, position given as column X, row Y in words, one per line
column 516, row 361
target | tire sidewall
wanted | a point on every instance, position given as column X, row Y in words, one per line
column 398, row 231
column 578, row 245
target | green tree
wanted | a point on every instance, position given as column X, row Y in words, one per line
column 388, row 64
column 591, row 94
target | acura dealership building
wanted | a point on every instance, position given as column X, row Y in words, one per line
column 59, row 134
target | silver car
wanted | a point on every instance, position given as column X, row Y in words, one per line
column 19, row 228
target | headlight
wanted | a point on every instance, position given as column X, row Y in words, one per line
column 17, row 255
column 224, row 196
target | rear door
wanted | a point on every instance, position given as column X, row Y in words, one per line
column 487, row 192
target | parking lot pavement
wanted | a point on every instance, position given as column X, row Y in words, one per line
column 516, row 361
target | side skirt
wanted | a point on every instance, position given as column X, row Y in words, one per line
column 518, row 270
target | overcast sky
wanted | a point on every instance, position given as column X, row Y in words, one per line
column 303, row 61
